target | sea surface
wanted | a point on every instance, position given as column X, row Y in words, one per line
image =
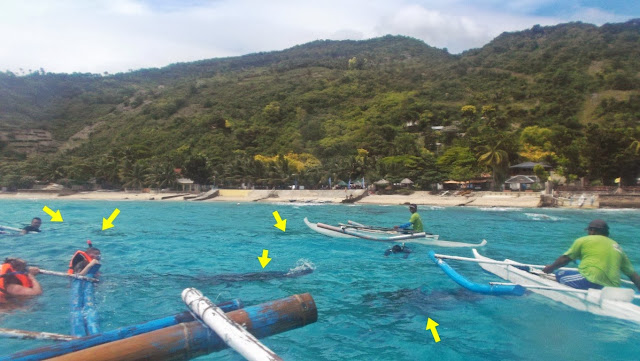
column 370, row 307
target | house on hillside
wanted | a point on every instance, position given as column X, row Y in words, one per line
column 523, row 178
column 526, row 168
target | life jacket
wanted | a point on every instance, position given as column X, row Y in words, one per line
column 78, row 257
column 8, row 269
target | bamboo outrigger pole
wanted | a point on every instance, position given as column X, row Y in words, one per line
column 188, row 340
column 111, row 336
column 34, row 335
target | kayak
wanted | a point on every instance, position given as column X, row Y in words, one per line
column 356, row 230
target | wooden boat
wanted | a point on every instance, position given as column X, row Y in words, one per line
column 357, row 230
column 609, row 301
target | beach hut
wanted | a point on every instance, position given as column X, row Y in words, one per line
column 341, row 184
column 186, row 183
column 382, row 182
column 406, row 182
column 521, row 182
column 451, row 185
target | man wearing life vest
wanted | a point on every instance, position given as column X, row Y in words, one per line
column 82, row 261
column 17, row 280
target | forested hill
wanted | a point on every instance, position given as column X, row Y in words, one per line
column 393, row 107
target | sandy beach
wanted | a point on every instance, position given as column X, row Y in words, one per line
column 473, row 199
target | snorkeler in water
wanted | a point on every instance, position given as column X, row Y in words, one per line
column 398, row 249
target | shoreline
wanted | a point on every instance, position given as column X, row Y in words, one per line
column 474, row 199
column 571, row 200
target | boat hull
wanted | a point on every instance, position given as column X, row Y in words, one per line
column 425, row 239
column 595, row 301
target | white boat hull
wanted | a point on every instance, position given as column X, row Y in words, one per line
column 429, row 240
column 598, row 302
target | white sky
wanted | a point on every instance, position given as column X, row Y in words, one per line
column 118, row 35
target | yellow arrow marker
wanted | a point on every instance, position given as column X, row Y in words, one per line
column 280, row 224
column 431, row 324
column 55, row 216
column 108, row 223
column 264, row 260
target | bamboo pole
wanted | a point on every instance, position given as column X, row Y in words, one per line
column 73, row 275
column 34, row 335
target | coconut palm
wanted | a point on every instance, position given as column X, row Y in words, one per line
column 162, row 175
column 136, row 176
column 635, row 146
column 495, row 157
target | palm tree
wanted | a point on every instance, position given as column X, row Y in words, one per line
column 635, row 146
column 162, row 175
column 495, row 157
column 136, row 176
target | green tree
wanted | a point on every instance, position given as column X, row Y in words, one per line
column 459, row 163
column 197, row 168
column 496, row 158
column 162, row 175
column 136, row 176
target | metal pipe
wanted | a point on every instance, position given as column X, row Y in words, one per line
column 189, row 340
column 233, row 334
column 118, row 334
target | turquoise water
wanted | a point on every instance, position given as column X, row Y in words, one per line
column 370, row 307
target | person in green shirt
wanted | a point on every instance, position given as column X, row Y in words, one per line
column 601, row 261
column 415, row 222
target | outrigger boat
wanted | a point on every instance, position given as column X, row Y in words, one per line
column 357, row 230
column 609, row 301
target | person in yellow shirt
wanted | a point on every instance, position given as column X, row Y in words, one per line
column 415, row 222
column 601, row 261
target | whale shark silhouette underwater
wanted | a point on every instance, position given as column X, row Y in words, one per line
column 302, row 268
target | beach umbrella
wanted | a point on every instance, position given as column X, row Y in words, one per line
column 406, row 181
column 342, row 184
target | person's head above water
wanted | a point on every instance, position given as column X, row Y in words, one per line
column 413, row 208
column 36, row 222
column 18, row 265
column 92, row 251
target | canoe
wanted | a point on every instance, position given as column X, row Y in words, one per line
column 610, row 301
column 355, row 232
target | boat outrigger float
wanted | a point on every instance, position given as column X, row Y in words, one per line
column 381, row 234
column 609, row 301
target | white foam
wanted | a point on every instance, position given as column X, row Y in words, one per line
column 500, row 209
column 301, row 265
column 543, row 217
